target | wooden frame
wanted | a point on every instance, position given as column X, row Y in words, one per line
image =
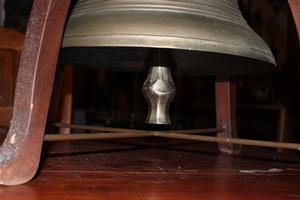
column 20, row 152
column 10, row 51
column 226, row 113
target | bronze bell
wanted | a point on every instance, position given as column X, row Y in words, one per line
column 203, row 37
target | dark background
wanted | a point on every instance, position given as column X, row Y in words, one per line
column 104, row 97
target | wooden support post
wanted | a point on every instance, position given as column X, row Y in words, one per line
column 67, row 99
column 226, row 113
column 21, row 150
column 295, row 8
column 62, row 98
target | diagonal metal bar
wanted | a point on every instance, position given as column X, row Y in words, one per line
column 196, row 131
column 270, row 144
column 180, row 134
column 93, row 136
column 98, row 128
column 246, row 142
column 118, row 130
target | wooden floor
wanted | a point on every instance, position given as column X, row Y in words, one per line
column 156, row 170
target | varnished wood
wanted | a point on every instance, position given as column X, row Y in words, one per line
column 11, row 43
column 19, row 155
column 67, row 99
column 20, row 152
column 225, row 96
column 282, row 127
column 62, row 98
column 5, row 115
column 11, row 39
column 95, row 170
column 8, row 70
column 295, row 8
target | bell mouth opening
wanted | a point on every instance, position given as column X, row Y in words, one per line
column 185, row 62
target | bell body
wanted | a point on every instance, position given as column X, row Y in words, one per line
column 206, row 36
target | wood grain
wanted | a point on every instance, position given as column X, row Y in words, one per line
column 11, row 39
column 11, row 43
column 20, row 152
column 130, row 170
column 295, row 8
column 225, row 90
column 5, row 115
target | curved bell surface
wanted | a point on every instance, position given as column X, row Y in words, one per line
column 205, row 36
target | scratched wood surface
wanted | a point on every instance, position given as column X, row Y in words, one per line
column 20, row 152
column 158, row 169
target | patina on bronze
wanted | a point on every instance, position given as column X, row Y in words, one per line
column 204, row 36
column 208, row 37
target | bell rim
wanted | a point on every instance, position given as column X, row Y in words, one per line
column 166, row 42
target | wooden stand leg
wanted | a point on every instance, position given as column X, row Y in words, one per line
column 67, row 99
column 20, row 152
column 226, row 113
column 295, row 9
column 62, row 99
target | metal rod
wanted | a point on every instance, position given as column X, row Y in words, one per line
column 89, row 136
column 97, row 128
column 196, row 131
column 61, row 137
column 118, row 130
column 230, row 140
column 180, row 134
column 93, row 136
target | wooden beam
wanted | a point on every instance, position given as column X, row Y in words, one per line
column 5, row 116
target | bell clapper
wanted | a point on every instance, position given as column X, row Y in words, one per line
column 159, row 89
